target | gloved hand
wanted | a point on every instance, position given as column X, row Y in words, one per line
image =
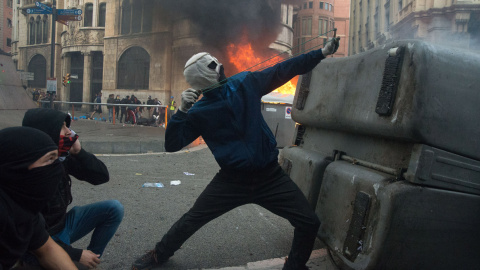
column 189, row 97
column 331, row 46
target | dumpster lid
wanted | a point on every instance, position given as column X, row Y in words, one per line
column 275, row 97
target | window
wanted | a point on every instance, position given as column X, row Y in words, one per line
column 307, row 26
column 310, row 4
column 400, row 5
column 9, row 3
column 45, row 28
column 9, row 23
column 321, row 5
column 38, row 66
column 9, row 42
column 304, row 5
column 134, row 69
column 126, row 16
column 31, row 26
column 88, row 16
column 137, row 18
column 38, row 30
column 102, row 14
column 320, row 27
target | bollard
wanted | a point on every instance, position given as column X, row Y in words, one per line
column 166, row 116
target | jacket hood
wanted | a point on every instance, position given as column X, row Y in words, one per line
column 47, row 120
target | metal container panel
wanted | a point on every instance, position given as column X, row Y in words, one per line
column 435, row 101
column 306, row 169
column 437, row 168
column 370, row 221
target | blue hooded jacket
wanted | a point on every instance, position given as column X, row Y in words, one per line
column 229, row 117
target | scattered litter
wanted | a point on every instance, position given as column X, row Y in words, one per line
column 157, row 185
column 138, row 173
column 187, row 173
column 175, row 183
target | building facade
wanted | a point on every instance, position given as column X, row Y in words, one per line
column 452, row 23
column 120, row 47
column 6, row 24
column 314, row 23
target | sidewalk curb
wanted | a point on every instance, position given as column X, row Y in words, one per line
column 277, row 263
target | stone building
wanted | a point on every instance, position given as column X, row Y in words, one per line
column 452, row 23
column 120, row 47
column 314, row 22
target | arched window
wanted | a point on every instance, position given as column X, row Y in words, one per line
column 102, row 11
column 38, row 66
column 126, row 16
column 134, row 69
column 38, row 30
column 137, row 18
column 31, row 28
column 87, row 21
column 45, row 29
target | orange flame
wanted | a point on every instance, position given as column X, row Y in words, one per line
column 243, row 57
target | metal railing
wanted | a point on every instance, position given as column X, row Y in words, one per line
column 164, row 107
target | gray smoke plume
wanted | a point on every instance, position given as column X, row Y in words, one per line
column 222, row 22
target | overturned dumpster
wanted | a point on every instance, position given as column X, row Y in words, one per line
column 388, row 154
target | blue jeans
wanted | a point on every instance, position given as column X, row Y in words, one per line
column 110, row 114
column 101, row 217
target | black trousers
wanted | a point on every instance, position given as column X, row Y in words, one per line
column 123, row 113
column 271, row 189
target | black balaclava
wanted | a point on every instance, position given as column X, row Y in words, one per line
column 21, row 147
column 49, row 121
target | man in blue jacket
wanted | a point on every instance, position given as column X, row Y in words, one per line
column 229, row 119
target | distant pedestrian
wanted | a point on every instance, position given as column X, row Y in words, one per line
column 36, row 94
column 98, row 108
column 117, row 108
column 150, row 109
column 158, row 112
column 123, row 109
column 131, row 118
column 110, row 100
column 171, row 108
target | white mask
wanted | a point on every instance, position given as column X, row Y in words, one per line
column 202, row 71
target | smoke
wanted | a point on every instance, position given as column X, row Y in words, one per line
column 221, row 22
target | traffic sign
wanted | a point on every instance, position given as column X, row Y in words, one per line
column 52, row 85
column 43, row 6
column 69, row 12
column 63, row 22
column 69, row 17
column 74, row 76
column 28, row 76
column 38, row 11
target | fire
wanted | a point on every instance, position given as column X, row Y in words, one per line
column 243, row 57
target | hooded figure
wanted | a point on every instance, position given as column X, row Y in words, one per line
column 84, row 166
column 24, row 191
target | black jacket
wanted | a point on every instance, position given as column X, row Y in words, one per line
column 124, row 101
column 84, row 166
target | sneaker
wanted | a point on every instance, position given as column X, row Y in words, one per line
column 147, row 261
